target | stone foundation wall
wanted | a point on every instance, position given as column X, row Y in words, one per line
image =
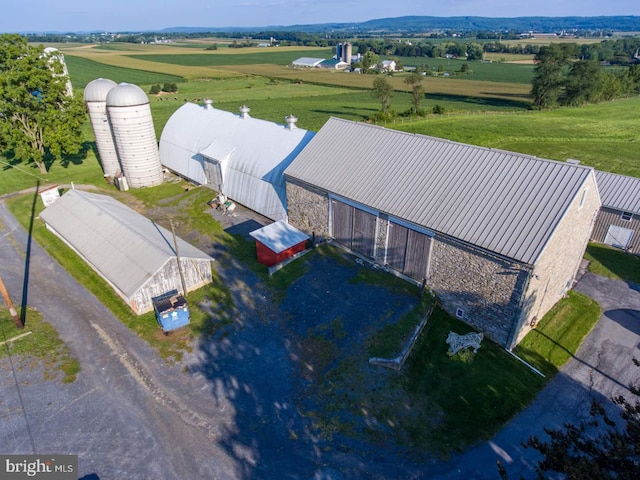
column 487, row 288
column 308, row 210
column 556, row 268
column 381, row 238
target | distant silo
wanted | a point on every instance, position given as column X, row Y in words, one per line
column 55, row 55
column 347, row 52
column 135, row 138
column 95, row 98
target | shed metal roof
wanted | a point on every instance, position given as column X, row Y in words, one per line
column 504, row 202
column 124, row 246
column 619, row 192
column 252, row 153
column 279, row 236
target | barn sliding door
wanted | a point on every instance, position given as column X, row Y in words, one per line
column 353, row 228
column 408, row 251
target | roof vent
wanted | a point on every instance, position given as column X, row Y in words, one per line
column 244, row 111
column 573, row 161
column 208, row 104
column 291, row 122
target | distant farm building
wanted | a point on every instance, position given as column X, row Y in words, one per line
column 307, row 62
column 333, row 64
column 618, row 222
column 497, row 236
column 135, row 255
column 389, row 65
column 239, row 156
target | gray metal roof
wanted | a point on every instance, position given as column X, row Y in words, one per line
column 503, row 202
column 619, row 192
column 123, row 245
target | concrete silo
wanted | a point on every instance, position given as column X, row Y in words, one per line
column 135, row 138
column 95, row 98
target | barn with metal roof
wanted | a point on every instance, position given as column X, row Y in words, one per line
column 135, row 255
column 237, row 155
column 618, row 222
column 498, row 236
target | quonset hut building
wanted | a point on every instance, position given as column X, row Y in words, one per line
column 497, row 236
column 241, row 157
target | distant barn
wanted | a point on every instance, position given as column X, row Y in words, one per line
column 135, row 255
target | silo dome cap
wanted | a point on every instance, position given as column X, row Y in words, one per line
column 126, row 95
column 96, row 90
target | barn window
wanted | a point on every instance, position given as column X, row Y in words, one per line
column 626, row 216
column 460, row 313
column 583, row 198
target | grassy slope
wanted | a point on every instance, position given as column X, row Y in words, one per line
column 604, row 136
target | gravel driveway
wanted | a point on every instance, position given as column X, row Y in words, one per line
column 245, row 404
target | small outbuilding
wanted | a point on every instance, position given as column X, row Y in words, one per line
column 306, row 62
column 137, row 257
column 278, row 241
column 618, row 221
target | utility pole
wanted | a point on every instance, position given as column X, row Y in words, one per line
column 175, row 246
column 12, row 310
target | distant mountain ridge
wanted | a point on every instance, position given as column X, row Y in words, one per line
column 415, row 24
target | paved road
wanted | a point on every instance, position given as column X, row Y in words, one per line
column 602, row 368
column 116, row 416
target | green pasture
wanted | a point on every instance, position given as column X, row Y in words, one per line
column 214, row 58
column 83, row 70
column 605, row 136
column 483, row 71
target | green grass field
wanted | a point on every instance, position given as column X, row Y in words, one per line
column 83, row 70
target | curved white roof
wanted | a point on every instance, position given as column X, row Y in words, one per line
column 252, row 154
column 97, row 90
column 126, row 95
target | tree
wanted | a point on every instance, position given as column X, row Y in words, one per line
column 576, row 452
column 475, row 51
column 548, row 76
column 369, row 60
column 383, row 91
column 584, row 83
column 39, row 120
column 417, row 90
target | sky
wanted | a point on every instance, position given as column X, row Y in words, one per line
column 26, row 16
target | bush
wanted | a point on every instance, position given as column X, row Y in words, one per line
column 170, row 87
column 154, row 90
column 438, row 109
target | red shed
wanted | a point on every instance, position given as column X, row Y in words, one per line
column 278, row 241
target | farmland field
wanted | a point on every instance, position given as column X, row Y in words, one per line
column 488, row 113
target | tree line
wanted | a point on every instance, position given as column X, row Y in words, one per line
column 563, row 77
